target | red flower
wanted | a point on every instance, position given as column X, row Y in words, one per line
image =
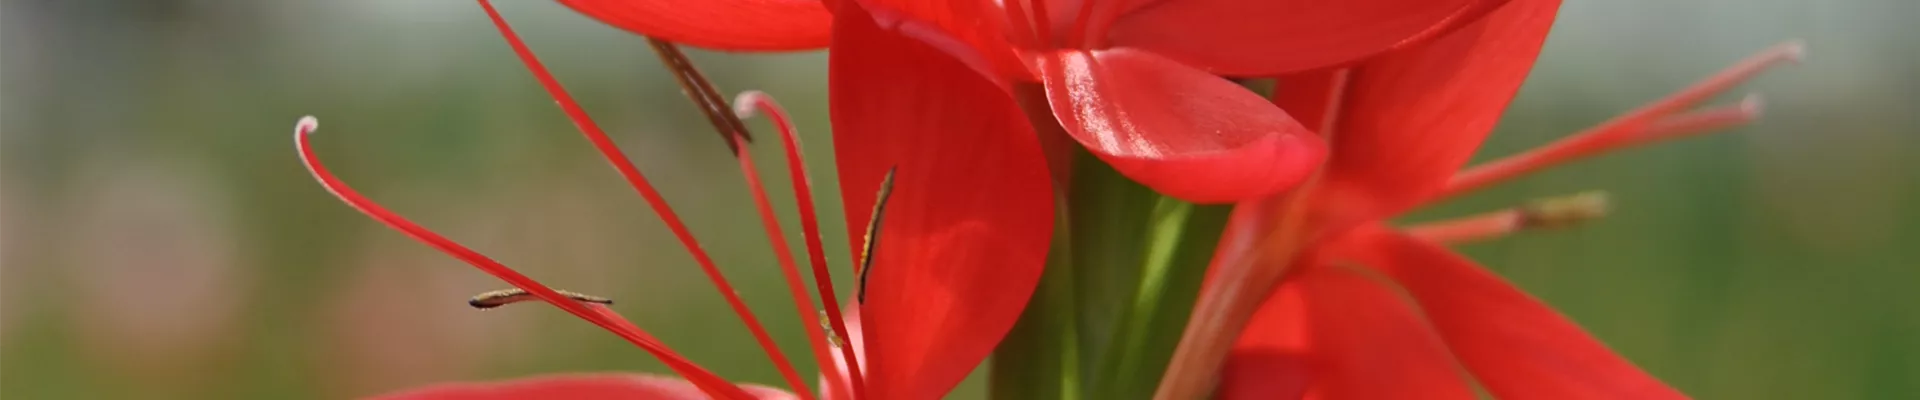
column 965, row 234
column 1134, row 81
column 1362, row 310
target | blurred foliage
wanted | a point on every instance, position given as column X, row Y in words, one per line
column 161, row 241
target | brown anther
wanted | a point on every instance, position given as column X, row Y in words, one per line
column 834, row 338
column 509, row 296
column 1563, row 211
column 697, row 88
column 873, row 236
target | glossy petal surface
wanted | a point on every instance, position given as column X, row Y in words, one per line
column 1182, row 132
column 1349, row 336
column 1518, row 347
column 1270, row 37
column 718, row 24
column 1410, row 119
column 575, row 387
column 966, row 231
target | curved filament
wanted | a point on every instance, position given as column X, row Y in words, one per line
column 802, row 303
column 600, row 316
column 619, row 160
column 746, row 105
column 1021, row 27
column 1661, row 119
column 1042, row 22
column 1470, row 229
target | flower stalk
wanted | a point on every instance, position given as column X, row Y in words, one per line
column 1126, row 265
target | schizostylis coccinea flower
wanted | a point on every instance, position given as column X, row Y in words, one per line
column 1315, row 295
column 965, row 233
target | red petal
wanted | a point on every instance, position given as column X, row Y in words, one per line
column 1263, row 374
column 1270, row 37
column 573, row 387
column 966, row 232
column 1183, row 132
column 969, row 30
column 1411, row 118
column 1517, row 346
column 1336, row 334
column 1313, row 98
column 718, row 24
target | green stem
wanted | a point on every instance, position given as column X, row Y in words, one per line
column 1138, row 262
column 1182, row 244
column 1039, row 359
column 1122, row 277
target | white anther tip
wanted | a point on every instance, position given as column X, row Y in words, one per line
column 1794, row 50
column 307, row 124
column 1752, row 104
column 747, row 104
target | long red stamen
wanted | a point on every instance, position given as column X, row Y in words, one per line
column 1547, row 213
column 746, row 106
column 1469, row 229
column 1602, row 140
column 1077, row 38
column 1234, row 290
column 599, row 316
column 639, row 182
column 702, row 93
column 1652, row 122
column 1245, row 274
column 1096, row 18
column 1020, row 25
column 1042, row 22
column 1698, row 122
column 802, row 302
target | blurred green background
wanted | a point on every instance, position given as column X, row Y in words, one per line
column 162, row 242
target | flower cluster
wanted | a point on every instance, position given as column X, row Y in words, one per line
column 963, row 116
